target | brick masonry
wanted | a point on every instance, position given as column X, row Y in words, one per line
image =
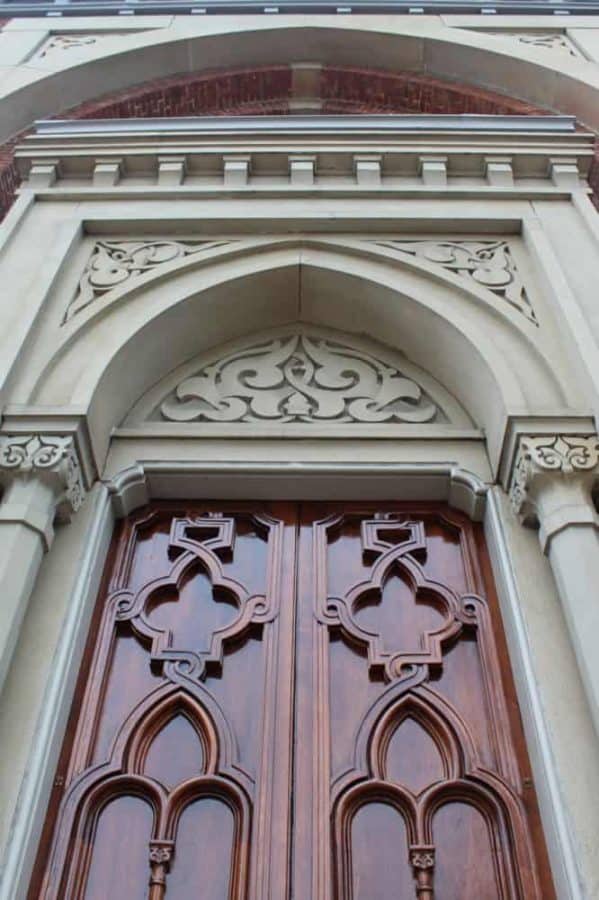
column 279, row 90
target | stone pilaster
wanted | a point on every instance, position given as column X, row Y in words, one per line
column 42, row 480
column 551, row 486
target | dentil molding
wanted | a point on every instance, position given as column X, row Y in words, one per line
column 51, row 458
column 554, row 456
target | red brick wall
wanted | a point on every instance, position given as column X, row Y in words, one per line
column 268, row 90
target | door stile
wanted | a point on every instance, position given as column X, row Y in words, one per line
column 271, row 841
column 309, row 874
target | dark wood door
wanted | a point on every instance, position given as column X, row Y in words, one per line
column 284, row 700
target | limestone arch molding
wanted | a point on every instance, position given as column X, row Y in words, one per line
column 481, row 355
column 566, row 85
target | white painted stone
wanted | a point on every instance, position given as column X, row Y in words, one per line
column 499, row 171
column 433, row 170
column 171, row 170
column 107, row 172
column 236, row 170
column 367, row 169
column 301, row 169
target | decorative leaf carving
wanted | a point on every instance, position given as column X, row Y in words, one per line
column 51, row 456
column 549, row 40
column 300, row 378
column 489, row 264
column 66, row 42
column 113, row 263
column 564, row 455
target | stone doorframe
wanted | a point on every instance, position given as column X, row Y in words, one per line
column 145, row 478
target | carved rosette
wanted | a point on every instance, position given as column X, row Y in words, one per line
column 547, row 455
column 49, row 457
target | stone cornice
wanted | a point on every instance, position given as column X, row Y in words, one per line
column 542, row 459
column 331, row 155
column 51, row 458
column 29, row 8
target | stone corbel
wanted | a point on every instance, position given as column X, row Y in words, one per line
column 552, row 480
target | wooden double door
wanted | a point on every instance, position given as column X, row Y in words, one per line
column 308, row 701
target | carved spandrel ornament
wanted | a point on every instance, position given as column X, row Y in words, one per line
column 547, row 40
column 50, row 457
column 114, row 263
column 489, row 264
column 300, row 378
column 563, row 455
column 58, row 42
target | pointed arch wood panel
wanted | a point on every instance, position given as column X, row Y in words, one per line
column 159, row 735
column 415, row 742
column 295, row 700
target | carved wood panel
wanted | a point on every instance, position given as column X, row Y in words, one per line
column 169, row 788
column 341, row 668
column 411, row 777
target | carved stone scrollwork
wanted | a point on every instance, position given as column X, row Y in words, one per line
column 489, row 264
column 422, row 860
column 66, row 42
column 113, row 263
column 564, row 455
column 547, row 40
column 49, row 457
column 300, row 378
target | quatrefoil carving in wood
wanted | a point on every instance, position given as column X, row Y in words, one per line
column 397, row 546
column 196, row 545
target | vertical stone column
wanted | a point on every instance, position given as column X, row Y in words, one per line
column 42, row 480
column 551, row 486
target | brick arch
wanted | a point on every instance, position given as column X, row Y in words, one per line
column 280, row 90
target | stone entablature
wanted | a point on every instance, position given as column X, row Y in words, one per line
column 394, row 153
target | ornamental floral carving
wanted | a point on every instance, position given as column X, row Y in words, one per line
column 488, row 264
column 300, row 378
column 549, row 40
column 47, row 456
column 66, row 42
column 115, row 263
column 422, row 860
column 565, row 454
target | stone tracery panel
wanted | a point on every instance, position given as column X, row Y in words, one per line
column 488, row 264
column 302, row 377
column 115, row 263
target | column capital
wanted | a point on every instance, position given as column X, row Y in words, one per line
column 52, row 459
column 556, row 462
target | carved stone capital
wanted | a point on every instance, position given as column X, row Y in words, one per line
column 49, row 458
column 541, row 460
